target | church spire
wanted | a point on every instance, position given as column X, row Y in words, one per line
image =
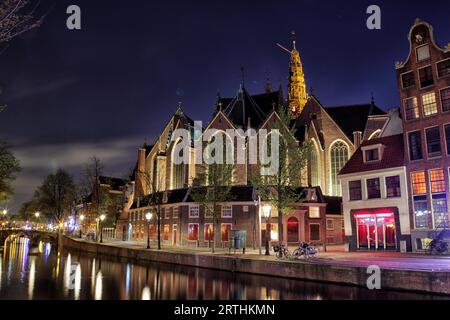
column 297, row 96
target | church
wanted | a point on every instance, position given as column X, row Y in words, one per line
column 334, row 134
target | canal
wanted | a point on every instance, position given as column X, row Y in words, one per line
column 43, row 272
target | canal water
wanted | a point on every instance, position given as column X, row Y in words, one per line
column 43, row 272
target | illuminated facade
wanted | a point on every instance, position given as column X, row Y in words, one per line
column 297, row 96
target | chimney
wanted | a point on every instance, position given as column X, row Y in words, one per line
column 357, row 137
column 141, row 185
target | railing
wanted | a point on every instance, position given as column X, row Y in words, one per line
column 109, row 233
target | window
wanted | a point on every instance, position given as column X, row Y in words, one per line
column 167, row 213
column 415, row 145
column 408, row 80
column 245, row 208
column 433, row 142
column 314, row 232
column 193, row 212
column 437, row 181
column 151, row 231
column 330, row 224
column 314, row 166
column 193, row 231
column 421, row 214
column 372, row 155
column 419, row 184
column 447, row 137
column 225, row 230
column 314, row 212
column 393, row 187
column 338, row 156
column 227, row 211
column 429, row 104
column 209, row 232
column 426, row 77
column 209, row 211
column 175, row 212
column 423, row 53
column 445, row 99
column 355, row 190
column 443, row 68
column 411, row 109
column 179, row 169
column 166, row 232
column 440, row 214
column 373, row 188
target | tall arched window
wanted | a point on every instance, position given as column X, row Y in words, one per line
column 338, row 157
column 314, row 166
column 178, row 171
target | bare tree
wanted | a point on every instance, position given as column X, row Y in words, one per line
column 16, row 18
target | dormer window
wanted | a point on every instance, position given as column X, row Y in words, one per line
column 372, row 153
column 423, row 53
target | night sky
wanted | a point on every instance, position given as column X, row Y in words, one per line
column 103, row 90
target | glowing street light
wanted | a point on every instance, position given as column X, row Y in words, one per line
column 37, row 214
column 102, row 218
column 266, row 209
column 148, row 217
column 4, row 212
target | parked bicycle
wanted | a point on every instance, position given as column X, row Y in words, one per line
column 281, row 251
column 305, row 250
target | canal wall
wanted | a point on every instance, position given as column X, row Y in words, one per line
column 396, row 279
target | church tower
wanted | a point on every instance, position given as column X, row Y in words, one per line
column 297, row 96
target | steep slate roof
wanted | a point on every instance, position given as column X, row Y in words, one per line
column 353, row 118
column 114, row 183
column 334, row 205
column 244, row 106
column 392, row 157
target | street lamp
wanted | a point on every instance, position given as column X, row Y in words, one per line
column 102, row 218
column 266, row 209
column 148, row 217
column 258, row 206
column 37, row 214
column 81, row 224
column 4, row 212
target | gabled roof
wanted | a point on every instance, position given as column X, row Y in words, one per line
column 392, row 157
column 244, row 106
column 354, row 117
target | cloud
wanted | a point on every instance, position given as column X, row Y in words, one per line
column 37, row 161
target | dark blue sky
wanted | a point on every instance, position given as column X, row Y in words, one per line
column 101, row 90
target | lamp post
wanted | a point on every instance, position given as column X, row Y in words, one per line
column 81, row 224
column 148, row 217
column 37, row 214
column 102, row 218
column 258, row 205
column 266, row 208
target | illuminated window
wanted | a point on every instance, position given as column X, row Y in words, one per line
column 411, row 108
column 408, row 79
column 314, row 212
column 227, row 211
column 440, row 213
column 393, row 187
column 373, row 188
column 151, row 231
column 314, row 166
column 421, row 214
column 443, row 68
column 355, row 190
column 426, row 77
column 437, row 180
column 193, row 231
column 445, row 99
column 225, row 230
column 209, row 232
column 245, row 208
column 423, row 53
column 419, row 184
column 193, row 212
column 433, row 142
column 338, row 158
column 166, row 232
column 415, row 145
column 429, row 104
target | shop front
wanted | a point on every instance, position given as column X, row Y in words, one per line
column 376, row 229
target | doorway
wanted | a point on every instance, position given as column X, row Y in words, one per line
column 174, row 234
column 376, row 231
column 292, row 230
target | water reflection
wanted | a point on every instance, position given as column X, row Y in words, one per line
column 34, row 273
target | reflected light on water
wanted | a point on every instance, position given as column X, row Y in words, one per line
column 93, row 277
column 98, row 286
column 146, row 294
column 128, row 280
column 67, row 280
column 77, row 287
column 31, row 278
